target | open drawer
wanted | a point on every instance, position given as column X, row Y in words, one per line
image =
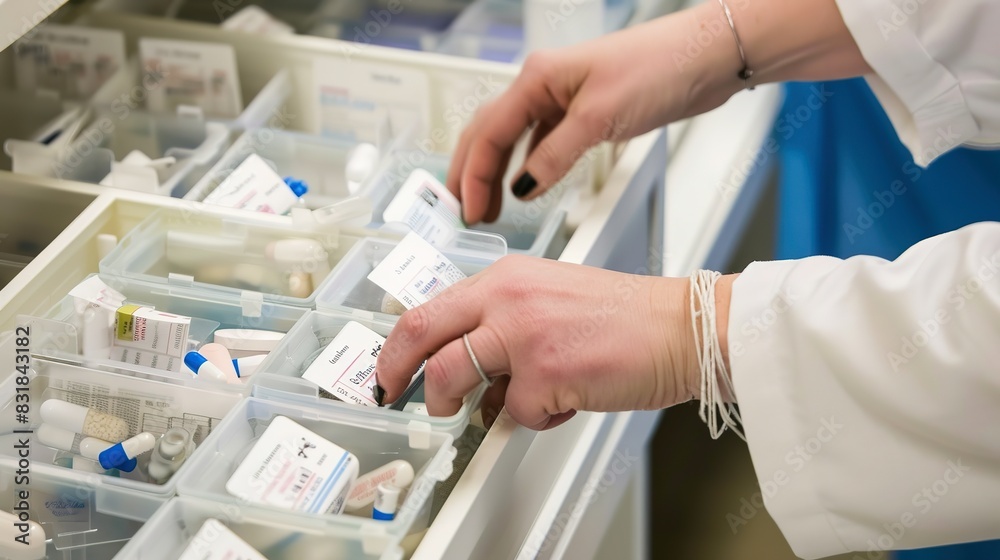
column 496, row 509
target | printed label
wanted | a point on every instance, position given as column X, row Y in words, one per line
column 191, row 73
column 73, row 61
column 427, row 207
column 414, row 272
column 148, row 329
column 253, row 185
column 346, row 367
column 292, row 468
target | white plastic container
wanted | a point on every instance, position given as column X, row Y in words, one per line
column 172, row 529
column 147, row 405
column 279, row 378
column 374, row 442
column 224, row 254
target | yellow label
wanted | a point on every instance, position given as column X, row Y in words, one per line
column 126, row 324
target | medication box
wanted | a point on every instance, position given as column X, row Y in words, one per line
column 279, row 378
column 374, row 442
column 166, row 535
column 146, row 405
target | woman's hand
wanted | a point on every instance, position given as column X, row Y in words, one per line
column 615, row 87
column 569, row 337
column 630, row 82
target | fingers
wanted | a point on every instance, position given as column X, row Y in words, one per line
column 424, row 330
column 450, row 374
column 493, row 400
column 531, row 405
column 555, row 155
column 485, row 146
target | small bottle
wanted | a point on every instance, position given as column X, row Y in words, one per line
column 82, row 420
column 386, row 502
column 361, row 163
column 169, row 454
column 123, row 454
column 203, row 368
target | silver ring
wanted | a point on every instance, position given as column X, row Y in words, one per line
column 475, row 361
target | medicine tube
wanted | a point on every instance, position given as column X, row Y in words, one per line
column 82, row 420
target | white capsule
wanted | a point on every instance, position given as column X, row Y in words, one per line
column 82, row 420
column 30, row 543
column 59, row 438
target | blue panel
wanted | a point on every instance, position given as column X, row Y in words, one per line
column 849, row 187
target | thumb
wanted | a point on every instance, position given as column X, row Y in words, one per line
column 555, row 155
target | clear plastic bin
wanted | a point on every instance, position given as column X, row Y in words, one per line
column 374, row 443
column 224, row 256
column 348, row 289
column 280, row 376
column 174, row 526
column 319, row 162
column 99, row 150
column 151, row 405
column 76, row 527
column 536, row 228
column 60, row 332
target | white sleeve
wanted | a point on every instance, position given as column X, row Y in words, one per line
column 870, row 394
column 937, row 69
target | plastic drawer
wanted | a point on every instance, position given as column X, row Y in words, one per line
column 348, row 289
column 32, row 118
column 59, row 332
column 374, row 443
column 23, row 234
column 221, row 254
column 70, row 513
column 151, row 405
column 172, row 529
column 279, row 378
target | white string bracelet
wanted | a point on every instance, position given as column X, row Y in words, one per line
column 713, row 407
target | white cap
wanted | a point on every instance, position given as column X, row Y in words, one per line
column 62, row 414
column 386, row 501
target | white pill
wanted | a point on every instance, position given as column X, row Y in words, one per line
column 82, row 420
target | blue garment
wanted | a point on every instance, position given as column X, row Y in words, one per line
column 849, row 187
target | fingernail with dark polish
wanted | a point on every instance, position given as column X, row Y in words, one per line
column 524, row 185
column 379, row 394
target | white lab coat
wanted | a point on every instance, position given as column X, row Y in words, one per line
column 869, row 389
